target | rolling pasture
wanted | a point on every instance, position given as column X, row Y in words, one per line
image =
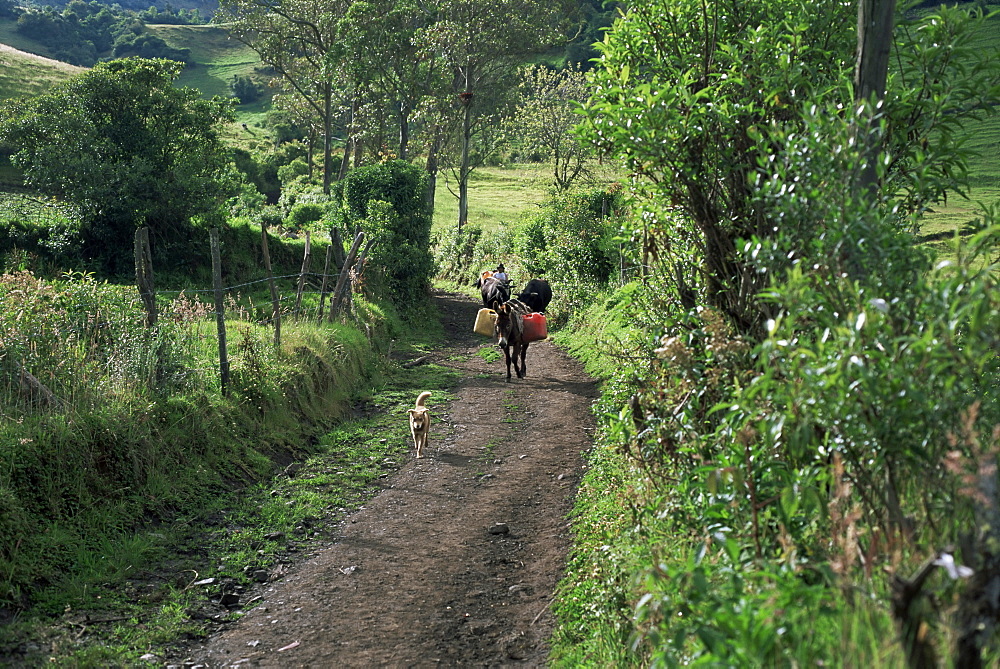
column 24, row 74
column 216, row 56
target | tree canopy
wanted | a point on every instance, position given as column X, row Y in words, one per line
column 126, row 148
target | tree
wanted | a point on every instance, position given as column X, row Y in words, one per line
column 548, row 116
column 245, row 89
column 382, row 34
column 387, row 202
column 298, row 38
column 482, row 42
column 127, row 148
column 875, row 23
column 698, row 100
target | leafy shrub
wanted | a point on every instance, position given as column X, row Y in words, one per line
column 389, row 203
column 268, row 216
column 304, row 215
column 454, row 253
column 245, row 89
column 292, row 171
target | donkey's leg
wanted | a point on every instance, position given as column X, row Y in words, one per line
column 524, row 369
column 515, row 356
column 507, row 359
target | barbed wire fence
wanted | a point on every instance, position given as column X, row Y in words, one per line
column 345, row 268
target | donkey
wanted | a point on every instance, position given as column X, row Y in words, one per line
column 509, row 330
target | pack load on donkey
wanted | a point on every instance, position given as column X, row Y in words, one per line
column 533, row 327
column 485, row 320
column 530, row 321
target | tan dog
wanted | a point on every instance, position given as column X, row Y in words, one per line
column 420, row 423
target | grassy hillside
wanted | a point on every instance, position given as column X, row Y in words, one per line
column 939, row 226
column 216, row 57
column 10, row 37
column 23, row 73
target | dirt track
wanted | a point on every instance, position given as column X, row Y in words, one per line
column 455, row 563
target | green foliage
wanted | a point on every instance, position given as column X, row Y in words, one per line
column 246, row 89
column 261, row 168
column 775, row 477
column 388, row 203
column 455, row 254
column 148, row 46
column 571, row 241
column 126, row 148
column 304, row 215
column 547, row 117
column 700, row 110
column 137, row 429
column 43, row 231
column 85, row 32
column 171, row 16
column 679, row 106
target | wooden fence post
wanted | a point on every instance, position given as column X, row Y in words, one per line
column 275, row 300
column 345, row 295
column 344, row 274
column 338, row 248
column 220, row 316
column 302, row 275
column 144, row 274
column 326, row 273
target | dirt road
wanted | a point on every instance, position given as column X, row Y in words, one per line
column 455, row 563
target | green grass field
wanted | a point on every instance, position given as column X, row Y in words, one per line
column 25, row 74
column 217, row 57
column 939, row 226
column 499, row 195
column 496, row 195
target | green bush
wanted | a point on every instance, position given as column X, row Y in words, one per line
column 388, row 202
column 454, row 253
column 304, row 215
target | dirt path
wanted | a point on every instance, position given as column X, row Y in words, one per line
column 455, row 563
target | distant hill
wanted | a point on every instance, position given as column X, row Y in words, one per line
column 23, row 73
column 215, row 59
column 205, row 7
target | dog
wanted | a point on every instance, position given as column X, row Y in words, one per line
column 420, row 423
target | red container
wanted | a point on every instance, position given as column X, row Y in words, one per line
column 534, row 327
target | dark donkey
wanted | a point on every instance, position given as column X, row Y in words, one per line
column 495, row 292
column 509, row 330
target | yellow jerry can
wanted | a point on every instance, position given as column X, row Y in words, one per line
column 485, row 320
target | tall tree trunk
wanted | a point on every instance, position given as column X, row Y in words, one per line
column 349, row 142
column 432, row 169
column 464, row 170
column 875, row 24
column 327, row 136
column 310, row 149
column 404, row 129
column 356, row 142
column 345, row 161
column 359, row 152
